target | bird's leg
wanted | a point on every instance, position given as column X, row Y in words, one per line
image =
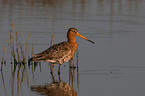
column 52, row 77
column 72, row 63
column 52, row 66
column 59, row 69
column 59, row 77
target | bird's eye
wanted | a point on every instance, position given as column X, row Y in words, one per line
column 75, row 32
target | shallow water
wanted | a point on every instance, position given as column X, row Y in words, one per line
column 113, row 66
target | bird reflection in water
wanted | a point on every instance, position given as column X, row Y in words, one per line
column 56, row 88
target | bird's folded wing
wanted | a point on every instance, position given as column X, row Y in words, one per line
column 57, row 51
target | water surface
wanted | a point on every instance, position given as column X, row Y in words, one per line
column 113, row 66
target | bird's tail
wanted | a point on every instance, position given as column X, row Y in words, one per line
column 31, row 59
column 36, row 58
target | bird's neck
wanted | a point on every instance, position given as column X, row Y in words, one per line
column 72, row 43
column 71, row 39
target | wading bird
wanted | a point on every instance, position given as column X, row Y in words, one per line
column 61, row 52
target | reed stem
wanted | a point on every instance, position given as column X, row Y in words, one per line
column 19, row 61
column 32, row 50
column 4, row 51
column 52, row 40
column 11, row 44
column 73, row 62
column 26, row 48
column 77, row 59
column 22, row 51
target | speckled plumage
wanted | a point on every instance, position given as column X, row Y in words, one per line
column 58, row 53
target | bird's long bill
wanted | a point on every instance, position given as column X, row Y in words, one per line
column 85, row 38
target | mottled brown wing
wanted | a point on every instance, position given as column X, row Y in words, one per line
column 54, row 52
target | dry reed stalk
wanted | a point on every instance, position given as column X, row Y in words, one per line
column 70, row 75
column 11, row 44
column 19, row 37
column 77, row 69
column 32, row 50
column 50, row 66
column 4, row 51
column 73, row 61
column 22, row 52
column 77, row 59
column 17, row 49
column 52, row 40
column 21, row 47
column 26, row 48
